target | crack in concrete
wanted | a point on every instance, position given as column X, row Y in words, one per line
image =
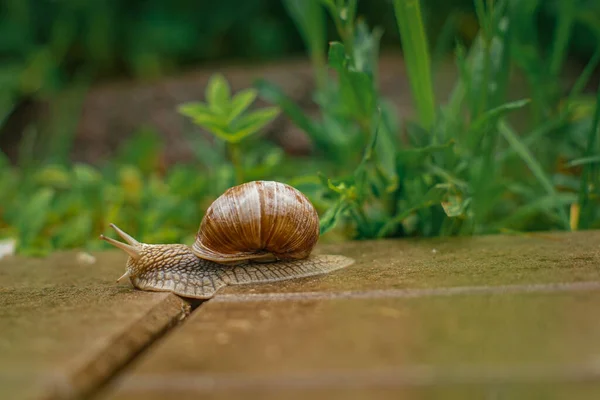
column 90, row 373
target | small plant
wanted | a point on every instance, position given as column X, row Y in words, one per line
column 228, row 117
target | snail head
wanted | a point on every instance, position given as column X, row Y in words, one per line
column 133, row 248
column 163, row 267
column 143, row 257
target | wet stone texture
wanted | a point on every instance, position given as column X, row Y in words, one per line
column 66, row 326
column 490, row 317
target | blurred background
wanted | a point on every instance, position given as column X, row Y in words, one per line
column 50, row 46
column 96, row 84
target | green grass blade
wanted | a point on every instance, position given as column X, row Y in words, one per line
column 590, row 170
column 521, row 149
column 537, row 134
column 566, row 17
column 332, row 216
column 497, row 112
column 586, row 74
column 416, row 54
column 543, row 205
column 444, row 41
column 584, row 161
column 309, row 18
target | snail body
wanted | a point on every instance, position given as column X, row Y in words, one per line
column 260, row 231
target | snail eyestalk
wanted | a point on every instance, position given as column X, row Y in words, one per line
column 132, row 251
column 125, row 236
column 132, row 248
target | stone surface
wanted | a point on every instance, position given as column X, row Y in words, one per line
column 488, row 340
column 439, row 262
column 66, row 326
column 443, row 340
column 347, row 391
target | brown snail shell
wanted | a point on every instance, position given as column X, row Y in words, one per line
column 260, row 221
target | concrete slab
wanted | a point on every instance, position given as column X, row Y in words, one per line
column 515, row 343
column 447, row 327
column 347, row 391
column 451, row 262
column 66, row 326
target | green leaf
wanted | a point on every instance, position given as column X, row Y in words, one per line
column 332, row 216
column 241, row 101
column 584, row 161
column 455, row 206
column 591, row 173
column 417, row 59
column 545, row 205
column 386, row 148
column 565, row 20
column 536, row 135
column 585, row 75
column 328, row 3
column 446, row 176
column 204, row 120
column 356, row 89
column 218, row 131
column 418, row 155
column 339, row 188
column 434, row 196
column 251, row 123
column 194, row 109
column 218, row 94
column 366, row 48
column 323, row 179
column 360, row 173
column 490, row 61
column 337, row 185
column 357, row 94
column 337, row 56
column 497, row 112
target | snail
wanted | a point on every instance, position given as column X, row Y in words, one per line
column 260, row 231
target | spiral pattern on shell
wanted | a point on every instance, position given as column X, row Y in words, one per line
column 258, row 220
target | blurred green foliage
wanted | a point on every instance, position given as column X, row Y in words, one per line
column 458, row 168
column 45, row 45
